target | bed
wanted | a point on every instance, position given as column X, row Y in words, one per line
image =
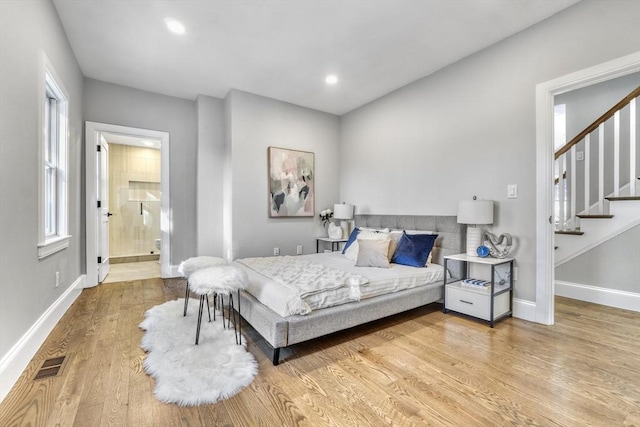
column 281, row 330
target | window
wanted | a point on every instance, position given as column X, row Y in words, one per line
column 53, row 182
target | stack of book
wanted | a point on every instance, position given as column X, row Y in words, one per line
column 482, row 285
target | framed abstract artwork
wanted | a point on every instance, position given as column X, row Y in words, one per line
column 291, row 182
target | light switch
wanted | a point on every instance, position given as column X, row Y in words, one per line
column 580, row 155
column 512, row 191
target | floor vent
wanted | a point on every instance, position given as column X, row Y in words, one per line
column 50, row 368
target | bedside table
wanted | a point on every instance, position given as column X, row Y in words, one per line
column 491, row 303
column 335, row 243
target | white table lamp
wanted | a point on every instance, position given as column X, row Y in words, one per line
column 474, row 212
column 344, row 213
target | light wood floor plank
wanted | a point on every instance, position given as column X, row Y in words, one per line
column 97, row 389
column 140, row 384
column 114, row 411
column 88, row 416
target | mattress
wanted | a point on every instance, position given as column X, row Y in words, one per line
column 379, row 281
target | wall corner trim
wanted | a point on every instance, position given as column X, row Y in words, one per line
column 18, row 357
column 525, row 310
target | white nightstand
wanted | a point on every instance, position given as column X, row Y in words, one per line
column 335, row 243
column 492, row 303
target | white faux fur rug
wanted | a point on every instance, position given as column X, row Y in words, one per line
column 189, row 374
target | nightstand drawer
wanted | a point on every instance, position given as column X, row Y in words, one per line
column 471, row 303
column 475, row 303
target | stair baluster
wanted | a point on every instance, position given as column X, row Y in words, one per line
column 601, row 169
column 633, row 142
column 616, row 154
column 587, row 173
column 572, row 192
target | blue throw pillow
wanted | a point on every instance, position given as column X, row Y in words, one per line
column 352, row 238
column 414, row 249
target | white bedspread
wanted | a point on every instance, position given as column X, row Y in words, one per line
column 304, row 279
column 356, row 283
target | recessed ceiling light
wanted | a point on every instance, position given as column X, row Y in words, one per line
column 331, row 79
column 174, row 25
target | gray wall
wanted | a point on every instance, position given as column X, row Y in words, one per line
column 469, row 129
column 583, row 107
column 613, row 264
column 27, row 284
column 209, row 179
column 256, row 123
column 119, row 105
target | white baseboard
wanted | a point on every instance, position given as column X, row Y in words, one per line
column 525, row 310
column 599, row 295
column 16, row 360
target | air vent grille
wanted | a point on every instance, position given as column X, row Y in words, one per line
column 50, row 368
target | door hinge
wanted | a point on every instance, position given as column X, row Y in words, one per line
column 99, row 260
column 98, row 148
column 99, row 204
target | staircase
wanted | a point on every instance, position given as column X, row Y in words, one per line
column 609, row 196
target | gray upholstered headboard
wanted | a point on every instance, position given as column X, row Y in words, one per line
column 451, row 235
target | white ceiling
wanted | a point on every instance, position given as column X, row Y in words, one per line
column 283, row 49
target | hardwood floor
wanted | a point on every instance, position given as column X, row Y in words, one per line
column 418, row 368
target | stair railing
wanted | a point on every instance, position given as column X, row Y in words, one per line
column 566, row 183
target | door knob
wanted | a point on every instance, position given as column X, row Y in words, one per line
column 109, row 214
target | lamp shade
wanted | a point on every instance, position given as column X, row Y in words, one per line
column 343, row 211
column 475, row 212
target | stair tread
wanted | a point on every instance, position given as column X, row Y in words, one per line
column 570, row 232
column 595, row 216
column 623, row 198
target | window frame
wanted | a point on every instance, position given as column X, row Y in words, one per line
column 53, row 223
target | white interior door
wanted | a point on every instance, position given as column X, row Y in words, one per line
column 103, row 213
column 93, row 133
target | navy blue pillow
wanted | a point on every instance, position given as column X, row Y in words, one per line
column 352, row 238
column 414, row 249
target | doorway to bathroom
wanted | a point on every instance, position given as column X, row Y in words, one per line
column 134, row 204
column 128, row 217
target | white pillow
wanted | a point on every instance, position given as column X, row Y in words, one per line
column 420, row 232
column 373, row 253
column 352, row 251
column 375, row 230
column 394, row 239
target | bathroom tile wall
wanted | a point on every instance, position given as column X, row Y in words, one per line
column 134, row 200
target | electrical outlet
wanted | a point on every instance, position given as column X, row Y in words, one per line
column 299, row 250
column 276, row 251
column 57, row 279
